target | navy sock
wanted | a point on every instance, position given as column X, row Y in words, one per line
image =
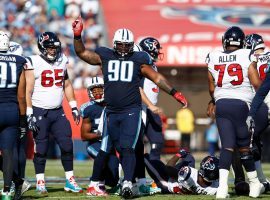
column 99, row 164
column 128, row 161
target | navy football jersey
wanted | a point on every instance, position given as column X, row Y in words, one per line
column 93, row 111
column 122, row 77
column 11, row 67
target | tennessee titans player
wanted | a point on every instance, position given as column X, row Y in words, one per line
column 12, row 106
column 91, row 131
column 122, row 69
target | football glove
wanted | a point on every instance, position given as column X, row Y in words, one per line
column 23, row 126
column 182, row 153
column 181, row 98
column 250, row 123
column 32, row 123
column 76, row 115
column 77, row 27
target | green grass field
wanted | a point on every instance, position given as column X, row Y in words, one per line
column 82, row 170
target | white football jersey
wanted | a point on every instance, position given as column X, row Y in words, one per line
column 262, row 67
column 230, row 73
column 187, row 179
column 15, row 48
column 49, row 80
column 151, row 89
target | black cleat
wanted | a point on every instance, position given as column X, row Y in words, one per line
column 18, row 193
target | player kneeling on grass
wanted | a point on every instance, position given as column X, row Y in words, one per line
column 182, row 177
column 91, row 131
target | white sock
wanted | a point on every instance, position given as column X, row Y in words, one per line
column 252, row 177
column 93, row 183
column 259, row 170
column 69, row 174
column 223, row 177
column 40, row 177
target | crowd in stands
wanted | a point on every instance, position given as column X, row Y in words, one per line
column 26, row 19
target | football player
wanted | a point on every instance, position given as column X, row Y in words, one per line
column 182, row 177
column 91, row 131
column 153, row 125
column 256, row 43
column 47, row 81
column 122, row 69
column 231, row 75
column 19, row 153
column 13, row 107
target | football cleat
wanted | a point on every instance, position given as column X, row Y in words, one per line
column 72, row 186
column 6, row 195
column 127, row 190
column 25, row 186
column 96, row 191
column 266, row 186
column 41, row 188
column 116, row 190
column 255, row 189
column 222, row 192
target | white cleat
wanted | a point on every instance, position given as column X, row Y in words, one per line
column 255, row 189
column 222, row 192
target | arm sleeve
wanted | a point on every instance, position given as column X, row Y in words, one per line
column 260, row 96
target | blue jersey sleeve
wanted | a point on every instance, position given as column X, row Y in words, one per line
column 103, row 52
column 85, row 110
column 260, row 96
column 145, row 58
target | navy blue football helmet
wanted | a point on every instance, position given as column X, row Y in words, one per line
column 49, row 40
column 234, row 36
column 209, row 168
column 152, row 47
column 254, row 42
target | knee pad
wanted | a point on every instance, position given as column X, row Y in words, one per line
column 66, row 145
column 39, row 158
column 245, row 154
column 66, row 155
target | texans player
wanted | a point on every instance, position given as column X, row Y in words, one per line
column 231, row 75
column 182, row 177
column 256, row 43
column 47, row 82
column 122, row 69
column 91, row 131
column 12, row 106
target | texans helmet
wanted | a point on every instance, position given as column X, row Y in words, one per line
column 96, row 82
column 49, row 40
column 209, row 168
column 234, row 36
column 152, row 47
column 123, row 41
column 4, row 41
column 254, row 42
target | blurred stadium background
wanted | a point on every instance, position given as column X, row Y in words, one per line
column 187, row 30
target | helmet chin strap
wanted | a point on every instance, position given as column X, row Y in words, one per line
column 51, row 57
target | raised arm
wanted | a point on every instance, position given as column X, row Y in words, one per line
column 88, row 56
column 162, row 83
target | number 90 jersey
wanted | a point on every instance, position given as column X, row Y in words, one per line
column 49, row 80
column 122, row 77
column 230, row 73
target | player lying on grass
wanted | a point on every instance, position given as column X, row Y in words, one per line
column 182, row 177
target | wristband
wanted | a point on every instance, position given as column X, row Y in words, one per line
column 173, row 91
column 77, row 37
column 29, row 111
column 73, row 104
column 212, row 101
